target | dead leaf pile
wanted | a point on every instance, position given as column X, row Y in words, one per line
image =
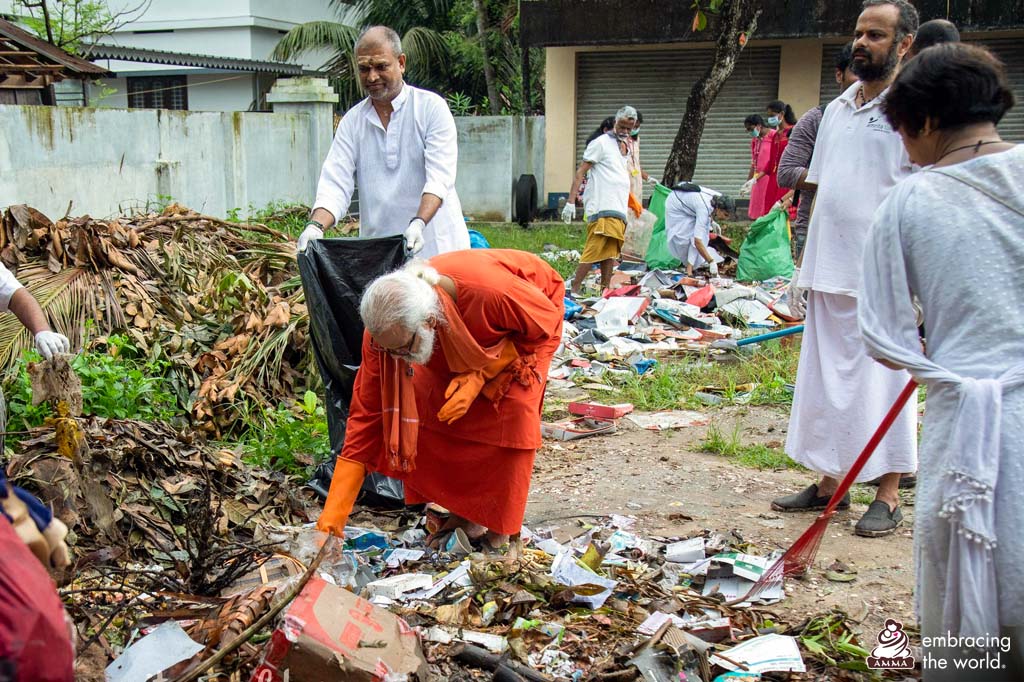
column 221, row 302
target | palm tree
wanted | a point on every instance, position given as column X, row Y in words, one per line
column 420, row 23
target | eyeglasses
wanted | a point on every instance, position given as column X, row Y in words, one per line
column 402, row 352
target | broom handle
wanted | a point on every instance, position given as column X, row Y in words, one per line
column 869, row 449
column 769, row 336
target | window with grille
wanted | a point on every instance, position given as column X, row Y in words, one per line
column 157, row 92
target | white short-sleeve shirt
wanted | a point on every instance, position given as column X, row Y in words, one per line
column 8, row 285
column 858, row 158
column 607, row 192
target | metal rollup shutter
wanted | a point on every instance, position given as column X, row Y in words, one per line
column 657, row 83
column 828, row 89
column 1011, row 52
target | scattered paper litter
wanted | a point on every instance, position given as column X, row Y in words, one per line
column 671, row 419
column 764, row 654
column 162, row 648
column 494, row 643
column 567, row 571
column 685, row 552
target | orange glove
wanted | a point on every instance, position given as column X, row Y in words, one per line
column 464, row 388
column 635, row 205
column 461, row 393
column 345, row 485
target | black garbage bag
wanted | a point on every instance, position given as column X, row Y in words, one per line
column 334, row 274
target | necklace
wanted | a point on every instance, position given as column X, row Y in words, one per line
column 978, row 145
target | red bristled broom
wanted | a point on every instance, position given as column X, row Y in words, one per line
column 800, row 556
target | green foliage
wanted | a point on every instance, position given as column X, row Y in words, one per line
column 71, row 22
column 755, row 456
column 288, row 436
column 440, row 38
column 116, row 383
column 830, row 640
column 460, row 104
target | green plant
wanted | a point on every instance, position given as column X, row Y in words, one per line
column 460, row 104
column 116, row 384
column 755, row 456
column 285, row 437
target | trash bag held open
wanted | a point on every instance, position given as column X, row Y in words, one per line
column 765, row 252
column 658, row 256
column 334, row 274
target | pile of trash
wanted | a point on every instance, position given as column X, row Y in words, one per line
column 647, row 315
column 577, row 601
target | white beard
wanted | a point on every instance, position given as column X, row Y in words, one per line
column 427, row 336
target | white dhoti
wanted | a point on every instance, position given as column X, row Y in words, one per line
column 842, row 395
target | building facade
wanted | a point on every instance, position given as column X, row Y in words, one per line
column 197, row 54
column 648, row 56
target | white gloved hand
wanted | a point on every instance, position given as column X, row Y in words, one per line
column 653, row 180
column 414, row 235
column 795, row 296
column 51, row 343
column 713, row 268
column 569, row 212
column 747, row 187
column 309, row 234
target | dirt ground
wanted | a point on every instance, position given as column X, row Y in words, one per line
column 673, row 489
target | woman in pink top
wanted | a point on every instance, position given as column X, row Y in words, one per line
column 764, row 187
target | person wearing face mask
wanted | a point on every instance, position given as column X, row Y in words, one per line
column 781, row 119
column 448, row 395
column 400, row 146
column 760, row 185
column 841, row 394
column 606, row 161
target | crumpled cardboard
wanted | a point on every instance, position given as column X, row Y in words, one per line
column 335, row 635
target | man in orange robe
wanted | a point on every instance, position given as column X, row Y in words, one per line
column 448, row 396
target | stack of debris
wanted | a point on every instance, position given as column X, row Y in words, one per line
column 645, row 316
column 219, row 301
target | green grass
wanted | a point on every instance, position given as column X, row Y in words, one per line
column 533, row 238
column 754, row 456
column 673, row 383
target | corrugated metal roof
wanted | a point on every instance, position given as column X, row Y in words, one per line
column 74, row 66
column 206, row 61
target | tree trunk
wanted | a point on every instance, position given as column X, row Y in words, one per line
column 735, row 18
column 489, row 77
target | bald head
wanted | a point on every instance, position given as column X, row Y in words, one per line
column 377, row 37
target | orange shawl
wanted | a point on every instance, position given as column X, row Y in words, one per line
column 400, row 415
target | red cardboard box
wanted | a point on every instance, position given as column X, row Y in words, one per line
column 602, row 411
column 328, row 633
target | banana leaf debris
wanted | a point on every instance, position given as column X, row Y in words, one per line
column 182, row 548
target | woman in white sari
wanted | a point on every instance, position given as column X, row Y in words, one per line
column 952, row 237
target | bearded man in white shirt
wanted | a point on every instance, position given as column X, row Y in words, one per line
column 399, row 144
column 841, row 394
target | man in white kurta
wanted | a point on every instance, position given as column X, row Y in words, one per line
column 399, row 147
column 842, row 394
